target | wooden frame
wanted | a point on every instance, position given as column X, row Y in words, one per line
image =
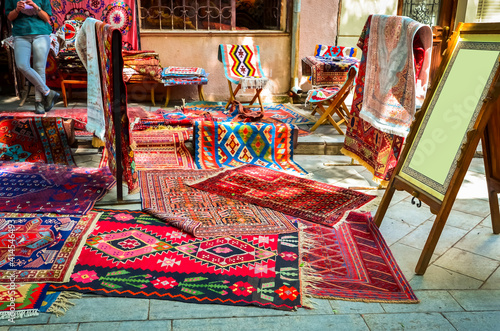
column 438, row 189
column 232, row 95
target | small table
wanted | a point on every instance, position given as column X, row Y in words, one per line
column 179, row 80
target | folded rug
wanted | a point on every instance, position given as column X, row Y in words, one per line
column 230, row 144
column 165, row 195
column 34, row 139
column 131, row 254
column 51, row 188
column 43, row 247
column 172, row 156
column 351, row 262
column 295, row 196
column 23, row 300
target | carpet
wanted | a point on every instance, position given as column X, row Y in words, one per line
column 51, row 188
column 165, row 195
column 295, row 196
column 242, row 65
column 351, row 262
column 131, row 254
column 34, row 139
column 78, row 114
column 27, row 299
column 230, row 144
column 376, row 150
column 41, row 247
column 174, row 156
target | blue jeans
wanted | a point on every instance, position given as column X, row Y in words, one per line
column 40, row 45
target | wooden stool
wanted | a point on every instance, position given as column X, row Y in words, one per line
column 71, row 79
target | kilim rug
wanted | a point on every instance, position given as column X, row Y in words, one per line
column 27, row 300
column 230, row 144
column 165, row 195
column 174, row 156
column 34, row 139
column 78, row 114
column 352, row 262
column 242, row 65
column 41, row 247
column 51, row 188
column 131, row 254
column 295, row 196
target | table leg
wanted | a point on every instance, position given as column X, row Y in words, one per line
column 167, row 98
column 200, row 93
column 153, row 96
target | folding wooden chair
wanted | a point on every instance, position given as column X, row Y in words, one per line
column 335, row 97
column 242, row 67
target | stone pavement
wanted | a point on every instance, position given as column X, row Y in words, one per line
column 459, row 291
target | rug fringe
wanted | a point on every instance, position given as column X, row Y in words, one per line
column 377, row 180
column 18, row 314
column 62, row 303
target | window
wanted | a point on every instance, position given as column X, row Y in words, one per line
column 211, row 15
column 488, row 11
column 424, row 11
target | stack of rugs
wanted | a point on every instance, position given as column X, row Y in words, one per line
column 141, row 66
column 171, row 76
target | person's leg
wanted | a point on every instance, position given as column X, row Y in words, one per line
column 22, row 53
column 40, row 49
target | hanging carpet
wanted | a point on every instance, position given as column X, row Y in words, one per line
column 295, row 196
column 27, row 300
column 131, row 254
column 46, row 245
column 230, row 144
column 351, row 262
column 51, row 188
column 165, row 195
column 34, row 139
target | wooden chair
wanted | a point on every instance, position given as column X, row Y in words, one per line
column 242, row 67
column 335, row 97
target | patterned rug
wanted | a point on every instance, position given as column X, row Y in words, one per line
column 27, row 300
column 175, row 156
column 51, row 188
column 165, row 195
column 230, row 144
column 34, row 139
column 131, row 254
column 242, row 65
column 351, row 262
column 46, row 245
column 295, row 196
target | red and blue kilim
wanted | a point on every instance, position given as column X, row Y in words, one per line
column 242, row 65
column 132, row 254
column 231, row 144
column 351, row 262
column 295, row 196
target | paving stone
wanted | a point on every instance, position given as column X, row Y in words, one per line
column 493, row 282
column 477, row 207
column 4, row 328
column 484, row 321
column 473, row 187
column 430, row 301
column 101, row 309
column 393, row 230
column 127, row 326
column 462, row 220
column 476, row 165
column 407, row 258
column 481, row 241
column 46, row 327
column 466, row 263
column 278, row 323
column 418, row 237
column 406, row 212
column 163, row 309
column 355, row 307
column 437, row 278
column 40, row 319
column 478, row 300
column 407, row 321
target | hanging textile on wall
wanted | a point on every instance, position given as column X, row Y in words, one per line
column 120, row 14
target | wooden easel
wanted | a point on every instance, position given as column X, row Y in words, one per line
column 486, row 125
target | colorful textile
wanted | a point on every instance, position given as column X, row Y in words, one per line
column 51, row 188
column 131, row 254
column 183, row 81
column 27, row 300
column 335, row 51
column 44, row 247
column 295, row 196
column 87, row 49
column 58, row 302
column 351, row 262
column 322, row 94
column 242, row 65
column 376, row 150
column 165, row 195
column 172, row 156
column 34, row 139
column 230, row 144
column 78, row 114
column 182, row 72
column 120, row 14
column 392, row 87
column 106, row 36
column 326, row 70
